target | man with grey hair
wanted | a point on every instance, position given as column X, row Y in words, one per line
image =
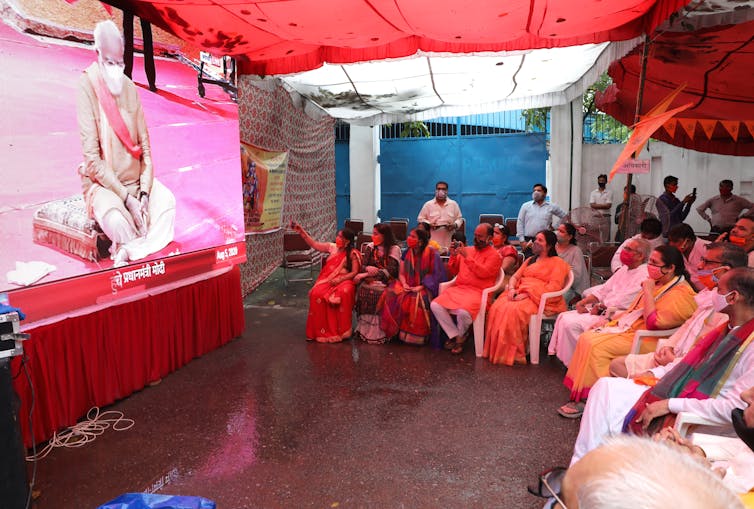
column 133, row 208
column 602, row 301
column 630, row 472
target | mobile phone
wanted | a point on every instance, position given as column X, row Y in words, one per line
column 693, row 192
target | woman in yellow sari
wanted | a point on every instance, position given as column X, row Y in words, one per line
column 665, row 302
column 508, row 318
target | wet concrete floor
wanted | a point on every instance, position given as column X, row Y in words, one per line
column 270, row 421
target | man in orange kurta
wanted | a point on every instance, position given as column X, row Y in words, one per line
column 477, row 268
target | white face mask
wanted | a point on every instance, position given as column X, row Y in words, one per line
column 113, row 76
column 721, row 301
column 441, row 194
column 536, row 196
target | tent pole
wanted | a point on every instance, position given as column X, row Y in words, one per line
column 623, row 226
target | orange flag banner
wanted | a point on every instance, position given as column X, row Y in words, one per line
column 688, row 125
column 732, row 126
column 708, row 126
column 670, row 126
column 659, row 108
column 642, row 132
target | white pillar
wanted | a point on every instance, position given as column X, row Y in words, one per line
column 363, row 158
column 566, row 138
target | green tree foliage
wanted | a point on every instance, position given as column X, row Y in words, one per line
column 604, row 126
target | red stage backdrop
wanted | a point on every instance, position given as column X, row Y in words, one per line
column 269, row 119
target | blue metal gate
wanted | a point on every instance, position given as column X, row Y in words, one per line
column 486, row 174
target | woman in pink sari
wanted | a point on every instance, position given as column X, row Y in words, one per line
column 332, row 297
column 508, row 319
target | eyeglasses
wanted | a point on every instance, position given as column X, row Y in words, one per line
column 660, row 265
column 707, row 261
column 550, row 485
column 630, row 249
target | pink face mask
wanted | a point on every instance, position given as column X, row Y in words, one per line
column 340, row 242
column 654, row 272
column 626, row 258
column 412, row 242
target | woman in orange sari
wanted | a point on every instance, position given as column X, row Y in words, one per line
column 508, row 318
column 507, row 251
column 332, row 296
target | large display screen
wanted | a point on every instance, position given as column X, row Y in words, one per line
column 48, row 228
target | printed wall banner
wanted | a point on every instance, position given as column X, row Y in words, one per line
column 263, row 176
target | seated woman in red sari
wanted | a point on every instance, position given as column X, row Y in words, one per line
column 406, row 306
column 507, row 328
column 507, row 251
column 379, row 270
column 332, row 297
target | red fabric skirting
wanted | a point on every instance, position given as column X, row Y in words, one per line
column 96, row 359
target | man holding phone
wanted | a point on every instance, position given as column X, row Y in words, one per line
column 677, row 209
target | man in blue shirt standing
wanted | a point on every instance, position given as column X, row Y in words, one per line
column 536, row 215
column 677, row 210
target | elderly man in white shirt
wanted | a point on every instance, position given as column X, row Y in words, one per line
column 611, row 398
column 443, row 216
column 649, row 230
column 601, row 301
column 536, row 215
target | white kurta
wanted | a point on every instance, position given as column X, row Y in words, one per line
column 610, row 399
column 439, row 216
column 617, row 293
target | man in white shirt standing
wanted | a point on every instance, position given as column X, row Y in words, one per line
column 536, row 215
column 443, row 216
column 601, row 200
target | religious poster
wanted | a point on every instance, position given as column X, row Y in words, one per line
column 263, row 176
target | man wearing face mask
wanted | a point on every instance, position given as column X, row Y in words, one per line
column 683, row 238
column 677, row 210
column 602, row 301
column 133, row 208
column 536, row 215
column 443, row 216
column 719, row 258
column 707, row 381
column 742, row 235
column 477, row 268
column 601, row 200
column 724, row 209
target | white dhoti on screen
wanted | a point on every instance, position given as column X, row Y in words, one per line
column 117, row 223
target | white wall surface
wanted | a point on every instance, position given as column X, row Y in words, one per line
column 693, row 169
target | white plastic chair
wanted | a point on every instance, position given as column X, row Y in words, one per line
column 535, row 322
column 478, row 324
column 686, row 421
column 641, row 334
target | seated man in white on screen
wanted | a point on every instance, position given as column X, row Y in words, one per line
column 133, row 209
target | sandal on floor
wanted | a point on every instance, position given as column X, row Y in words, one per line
column 572, row 409
column 458, row 348
column 449, row 344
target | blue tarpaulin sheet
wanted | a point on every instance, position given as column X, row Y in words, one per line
column 153, row 501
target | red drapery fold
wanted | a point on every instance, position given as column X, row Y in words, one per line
column 96, row 359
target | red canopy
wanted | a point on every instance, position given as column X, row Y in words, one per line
column 287, row 36
column 717, row 64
